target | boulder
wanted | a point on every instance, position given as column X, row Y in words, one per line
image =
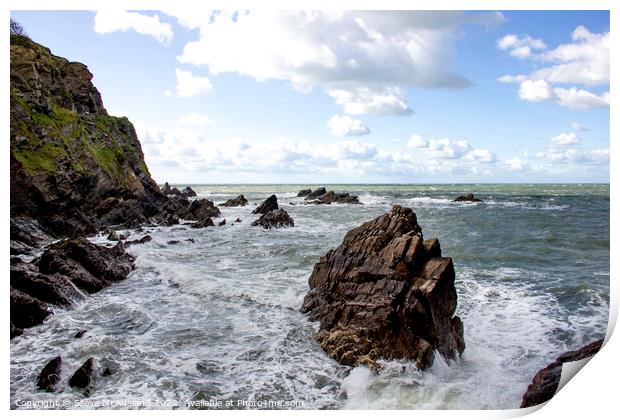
column 203, row 223
column 546, row 381
column 84, row 375
column 316, row 193
column 274, row 219
column 467, row 198
column 202, row 208
column 266, row 206
column 188, row 192
column 380, row 296
column 222, row 223
column 143, row 240
column 235, row 202
column 49, row 378
column 26, row 311
column 304, row 193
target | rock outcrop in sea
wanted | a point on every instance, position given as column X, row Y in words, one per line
column 235, row 202
column 322, row 196
column 467, row 198
column 64, row 274
column 266, row 206
column 385, row 293
column 274, row 219
column 546, row 381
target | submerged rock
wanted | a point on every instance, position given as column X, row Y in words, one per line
column 222, row 223
column 235, row 202
column 467, row 198
column 546, row 381
column 266, row 206
column 49, row 378
column 379, row 295
column 304, row 193
column 274, row 219
column 84, row 375
column 143, row 240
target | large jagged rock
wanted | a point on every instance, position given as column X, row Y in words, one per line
column 385, row 293
column 74, row 168
column 304, row 193
column 84, row 375
column 66, row 271
column 202, row 208
column 235, row 202
column 322, row 196
column 266, row 206
column 49, row 378
column 274, row 219
column 546, row 381
column 186, row 192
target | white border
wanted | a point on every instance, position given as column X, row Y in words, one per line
column 593, row 394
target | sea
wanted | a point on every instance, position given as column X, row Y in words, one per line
column 214, row 322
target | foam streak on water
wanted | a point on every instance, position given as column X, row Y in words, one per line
column 218, row 318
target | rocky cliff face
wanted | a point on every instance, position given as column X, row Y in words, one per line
column 385, row 293
column 69, row 158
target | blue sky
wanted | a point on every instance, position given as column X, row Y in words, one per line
column 353, row 96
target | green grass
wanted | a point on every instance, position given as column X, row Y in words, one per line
column 43, row 158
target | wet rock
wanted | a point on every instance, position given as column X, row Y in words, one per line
column 26, row 311
column 89, row 266
column 170, row 190
column 316, row 193
column 235, row 202
column 190, row 240
column 222, row 223
column 202, row 208
column 49, row 378
column 80, row 334
column 321, row 196
column 15, row 331
column 274, row 219
column 143, row 240
column 113, row 236
column 170, row 220
column 83, row 377
column 546, row 381
column 467, row 198
column 173, row 242
column 380, row 296
column 304, row 193
column 203, row 223
column 291, row 203
column 238, row 220
column 188, row 192
column 266, row 206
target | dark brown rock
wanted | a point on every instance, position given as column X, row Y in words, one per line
column 316, row 193
column 143, row 240
column 321, row 196
column 379, row 296
column 274, row 219
column 203, row 223
column 304, row 193
column 84, row 375
column 26, row 311
column 546, row 381
column 49, row 378
column 266, row 206
column 188, row 192
column 222, row 223
column 235, row 202
column 202, row 208
column 80, row 334
column 467, row 198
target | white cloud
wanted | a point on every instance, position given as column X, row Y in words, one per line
column 344, row 125
column 108, row 21
column 516, row 164
column 195, row 119
column 585, row 61
column 364, row 60
column 564, row 139
column 575, row 126
column 416, row 141
column 189, row 85
column 535, row 91
column 520, row 47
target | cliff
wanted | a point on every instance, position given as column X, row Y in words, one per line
column 74, row 168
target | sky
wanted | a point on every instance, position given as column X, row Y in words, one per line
column 350, row 97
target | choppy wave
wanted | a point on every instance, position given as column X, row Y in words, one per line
column 218, row 318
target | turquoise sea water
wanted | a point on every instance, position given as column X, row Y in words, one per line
column 218, row 318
